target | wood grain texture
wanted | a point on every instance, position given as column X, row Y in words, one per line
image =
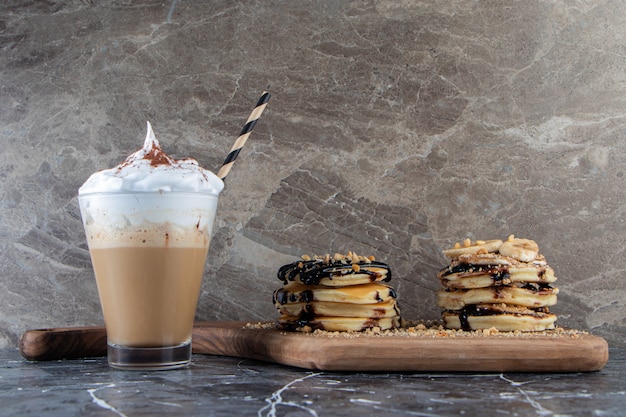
column 499, row 353
column 527, row 353
column 63, row 343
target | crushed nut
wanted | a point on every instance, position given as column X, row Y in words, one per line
column 350, row 257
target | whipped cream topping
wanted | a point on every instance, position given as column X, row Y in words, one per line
column 150, row 170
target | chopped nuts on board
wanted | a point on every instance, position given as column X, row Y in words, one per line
column 425, row 330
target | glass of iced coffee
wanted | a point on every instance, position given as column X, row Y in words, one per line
column 148, row 224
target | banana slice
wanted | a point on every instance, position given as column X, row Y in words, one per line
column 525, row 250
column 469, row 247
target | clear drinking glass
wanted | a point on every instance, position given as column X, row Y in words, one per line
column 148, row 251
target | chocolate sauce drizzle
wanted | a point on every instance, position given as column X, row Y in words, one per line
column 474, row 310
column 283, row 296
column 313, row 271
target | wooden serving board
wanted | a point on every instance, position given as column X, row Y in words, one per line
column 565, row 352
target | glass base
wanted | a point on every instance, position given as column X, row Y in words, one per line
column 149, row 359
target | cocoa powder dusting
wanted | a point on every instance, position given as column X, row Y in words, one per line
column 156, row 156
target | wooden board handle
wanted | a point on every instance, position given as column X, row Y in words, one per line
column 87, row 342
column 63, row 343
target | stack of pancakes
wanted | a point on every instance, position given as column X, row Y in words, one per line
column 496, row 284
column 338, row 293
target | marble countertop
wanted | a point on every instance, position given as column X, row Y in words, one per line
column 225, row 386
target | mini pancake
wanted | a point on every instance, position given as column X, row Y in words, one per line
column 466, row 276
column 526, row 250
column 501, row 317
column 335, row 272
column 356, row 294
column 531, row 296
column 337, row 324
column 323, row 308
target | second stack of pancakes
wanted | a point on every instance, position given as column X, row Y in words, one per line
column 336, row 293
column 495, row 284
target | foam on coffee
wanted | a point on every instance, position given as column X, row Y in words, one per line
column 149, row 169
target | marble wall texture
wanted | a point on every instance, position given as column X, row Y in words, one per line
column 395, row 128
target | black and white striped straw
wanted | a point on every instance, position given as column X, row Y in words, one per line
column 243, row 136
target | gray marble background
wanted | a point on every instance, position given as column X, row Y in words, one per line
column 395, row 129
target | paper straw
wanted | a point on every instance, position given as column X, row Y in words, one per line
column 243, row 136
